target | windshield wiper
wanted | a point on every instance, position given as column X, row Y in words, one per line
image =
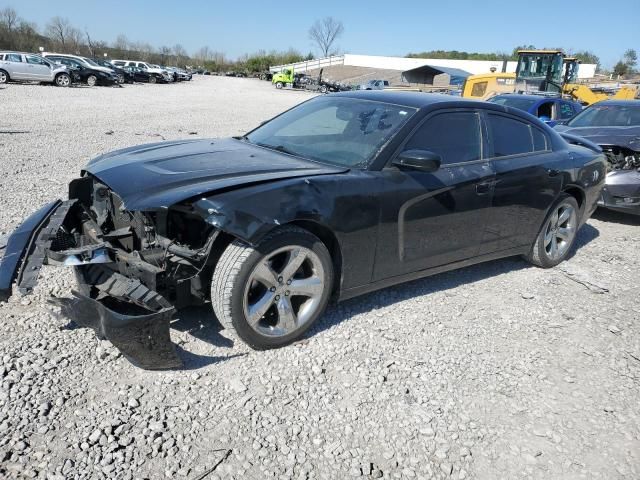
column 278, row 148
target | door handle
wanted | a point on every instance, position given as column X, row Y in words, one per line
column 484, row 188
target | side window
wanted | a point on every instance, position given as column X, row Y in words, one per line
column 545, row 110
column 479, row 89
column 14, row 57
column 566, row 111
column 455, row 136
column 33, row 60
column 513, row 137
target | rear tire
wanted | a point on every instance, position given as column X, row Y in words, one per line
column 557, row 235
column 272, row 294
column 4, row 77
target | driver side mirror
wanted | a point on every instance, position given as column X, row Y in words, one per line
column 421, row 160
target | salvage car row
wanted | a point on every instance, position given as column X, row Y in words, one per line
column 64, row 70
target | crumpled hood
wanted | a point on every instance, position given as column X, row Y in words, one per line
column 158, row 175
column 628, row 137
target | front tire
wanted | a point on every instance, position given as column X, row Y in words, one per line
column 557, row 235
column 63, row 80
column 272, row 294
column 4, row 77
column 152, row 79
column 279, row 85
column 92, row 80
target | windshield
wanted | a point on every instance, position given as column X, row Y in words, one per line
column 608, row 116
column 336, row 130
column 90, row 62
column 515, row 102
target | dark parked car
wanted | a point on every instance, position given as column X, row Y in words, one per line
column 339, row 196
column 84, row 71
column 550, row 110
column 137, row 74
column 117, row 70
column 615, row 126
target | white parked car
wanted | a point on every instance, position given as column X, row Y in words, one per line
column 18, row 66
column 145, row 66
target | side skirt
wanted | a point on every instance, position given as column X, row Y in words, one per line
column 389, row 282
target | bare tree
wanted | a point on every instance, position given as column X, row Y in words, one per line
column 58, row 29
column 324, row 33
column 165, row 53
column 90, row 45
column 8, row 18
column 74, row 40
column 180, row 54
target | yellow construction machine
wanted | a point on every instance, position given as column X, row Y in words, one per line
column 548, row 71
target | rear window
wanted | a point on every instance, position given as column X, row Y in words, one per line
column 514, row 102
column 513, row 137
column 14, row 57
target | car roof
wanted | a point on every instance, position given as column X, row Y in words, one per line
column 532, row 97
column 618, row 102
column 408, row 99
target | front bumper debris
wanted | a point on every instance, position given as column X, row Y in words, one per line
column 144, row 339
column 27, row 246
column 135, row 318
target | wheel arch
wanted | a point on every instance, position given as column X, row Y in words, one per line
column 578, row 193
column 6, row 73
column 323, row 232
column 330, row 241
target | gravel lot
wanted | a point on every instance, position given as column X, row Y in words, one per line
column 498, row 371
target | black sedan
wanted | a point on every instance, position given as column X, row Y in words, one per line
column 117, row 70
column 339, row 196
column 137, row 74
column 615, row 126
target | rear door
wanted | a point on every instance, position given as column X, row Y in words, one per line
column 528, row 179
column 430, row 219
column 17, row 66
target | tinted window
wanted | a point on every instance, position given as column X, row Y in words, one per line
column 14, row 57
column 35, row 60
column 455, row 136
column 521, row 103
column 513, row 137
column 566, row 111
column 608, row 115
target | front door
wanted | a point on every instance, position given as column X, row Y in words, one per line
column 432, row 219
column 38, row 68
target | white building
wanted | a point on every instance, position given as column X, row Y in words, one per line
column 402, row 64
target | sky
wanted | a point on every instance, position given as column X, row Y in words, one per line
column 370, row 26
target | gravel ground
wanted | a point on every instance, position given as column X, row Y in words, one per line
column 500, row 370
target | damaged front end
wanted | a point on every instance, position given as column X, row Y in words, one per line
column 131, row 276
column 622, row 187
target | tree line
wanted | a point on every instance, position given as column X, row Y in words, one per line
column 60, row 36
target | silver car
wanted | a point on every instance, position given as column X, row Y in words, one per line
column 17, row 66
